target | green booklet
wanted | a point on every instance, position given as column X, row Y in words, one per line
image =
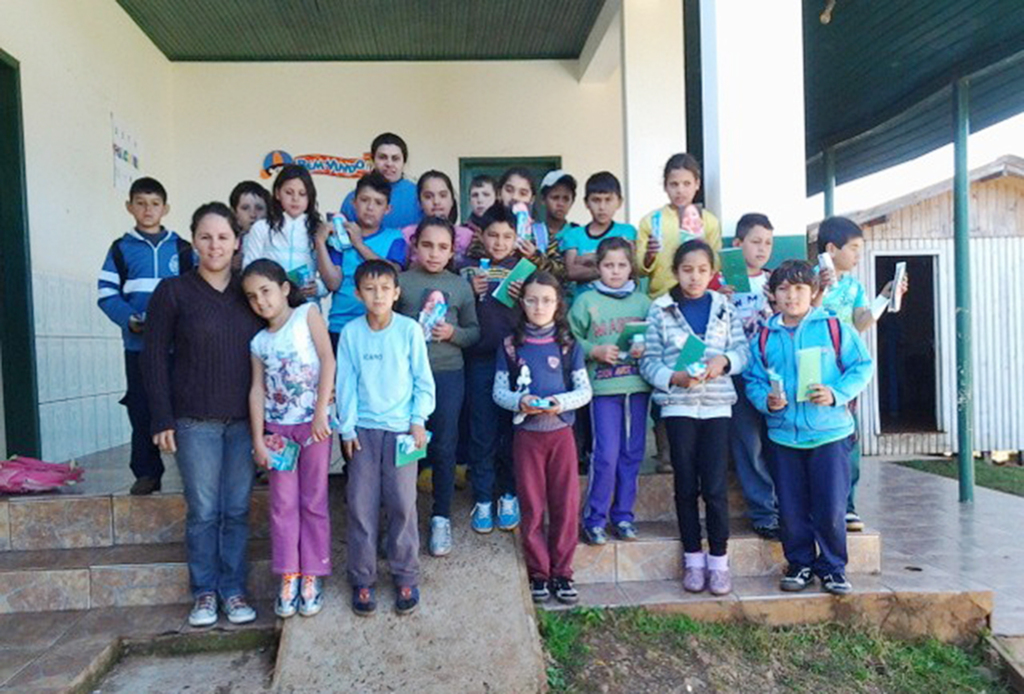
column 734, row 269
column 300, row 276
column 629, row 331
column 808, row 372
column 691, row 353
column 406, row 452
column 523, row 269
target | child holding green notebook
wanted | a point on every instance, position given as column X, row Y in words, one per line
column 821, row 365
column 618, row 413
column 696, row 396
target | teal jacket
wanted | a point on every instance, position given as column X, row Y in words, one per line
column 804, row 424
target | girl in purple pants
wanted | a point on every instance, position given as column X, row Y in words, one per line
column 293, row 375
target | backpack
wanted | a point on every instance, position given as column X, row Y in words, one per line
column 184, row 249
column 21, row 475
column 834, row 332
column 512, row 362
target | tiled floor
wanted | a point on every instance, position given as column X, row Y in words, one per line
column 929, row 538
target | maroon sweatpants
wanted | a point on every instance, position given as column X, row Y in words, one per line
column 547, row 477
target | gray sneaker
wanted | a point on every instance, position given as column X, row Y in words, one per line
column 204, row 611
column 695, row 579
column 238, row 610
column 719, row 582
column 440, row 536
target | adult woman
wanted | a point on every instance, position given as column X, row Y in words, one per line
column 200, row 410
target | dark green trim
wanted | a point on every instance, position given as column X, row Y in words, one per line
column 469, row 167
column 17, row 327
column 784, row 248
column 692, row 78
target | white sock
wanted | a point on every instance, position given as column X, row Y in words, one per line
column 718, row 563
column 694, row 560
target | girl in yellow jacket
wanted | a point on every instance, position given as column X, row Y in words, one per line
column 661, row 233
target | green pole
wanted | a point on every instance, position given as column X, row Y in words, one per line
column 830, row 181
column 962, row 260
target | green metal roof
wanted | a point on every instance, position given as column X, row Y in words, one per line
column 877, row 77
column 352, row 30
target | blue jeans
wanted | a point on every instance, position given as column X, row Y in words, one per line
column 444, row 427
column 746, row 441
column 490, row 434
column 215, row 459
column 812, row 484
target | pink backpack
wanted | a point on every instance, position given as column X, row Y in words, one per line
column 20, row 475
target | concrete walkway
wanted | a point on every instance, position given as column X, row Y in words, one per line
column 929, row 538
column 475, row 629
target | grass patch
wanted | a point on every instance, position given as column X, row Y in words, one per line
column 1003, row 478
column 632, row 649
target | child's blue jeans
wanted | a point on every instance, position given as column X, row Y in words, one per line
column 746, row 442
column 490, row 435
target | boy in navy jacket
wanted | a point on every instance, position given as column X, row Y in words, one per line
column 809, row 433
column 133, row 268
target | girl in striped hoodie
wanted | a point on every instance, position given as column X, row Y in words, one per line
column 695, row 342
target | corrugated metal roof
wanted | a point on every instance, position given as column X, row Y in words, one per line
column 877, row 78
column 352, row 30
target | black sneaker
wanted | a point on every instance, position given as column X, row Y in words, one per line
column 836, row 584
column 539, row 590
column 768, row 532
column 364, row 602
column 797, row 578
column 407, row 599
column 145, row 486
column 565, row 591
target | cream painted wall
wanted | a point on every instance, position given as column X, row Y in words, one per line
column 80, row 61
column 229, row 115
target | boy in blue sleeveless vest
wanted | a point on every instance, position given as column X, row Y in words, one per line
column 809, row 432
column 133, row 268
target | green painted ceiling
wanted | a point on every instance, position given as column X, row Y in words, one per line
column 876, row 78
column 302, row 30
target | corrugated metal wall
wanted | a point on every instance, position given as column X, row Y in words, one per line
column 997, row 269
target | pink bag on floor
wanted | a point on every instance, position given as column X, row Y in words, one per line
column 20, row 475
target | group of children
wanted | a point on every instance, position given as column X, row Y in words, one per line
column 498, row 331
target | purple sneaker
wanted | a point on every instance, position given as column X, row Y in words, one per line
column 719, row 582
column 694, row 579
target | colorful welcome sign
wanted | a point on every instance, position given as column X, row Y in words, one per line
column 318, row 164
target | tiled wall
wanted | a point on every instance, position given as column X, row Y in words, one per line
column 80, row 362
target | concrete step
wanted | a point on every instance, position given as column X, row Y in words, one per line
column 892, row 603
column 119, row 576
column 655, row 498
column 71, row 521
column 658, row 555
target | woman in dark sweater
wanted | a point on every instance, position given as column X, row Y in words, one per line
column 200, row 410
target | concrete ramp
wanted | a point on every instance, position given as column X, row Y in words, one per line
column 474, row 631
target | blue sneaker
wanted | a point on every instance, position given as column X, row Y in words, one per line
column 482, row 519
column 364, row 600
column 311, row 596
column 595, row 536
column 440, row 536
column 287, row 603
column 508, row 512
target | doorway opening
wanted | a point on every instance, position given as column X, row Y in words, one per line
column 19, row 395
column 907, row 348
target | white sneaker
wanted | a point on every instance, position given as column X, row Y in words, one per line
column 238, row 610
column 204, row 611
column 440, row 536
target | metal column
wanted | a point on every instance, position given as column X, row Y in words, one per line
column 962, row 263
column 830, row 181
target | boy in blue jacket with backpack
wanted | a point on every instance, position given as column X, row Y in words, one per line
column 133, row 268
column 809, row 432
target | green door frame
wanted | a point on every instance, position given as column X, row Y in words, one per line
column 17, row 327
column 495, row 167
